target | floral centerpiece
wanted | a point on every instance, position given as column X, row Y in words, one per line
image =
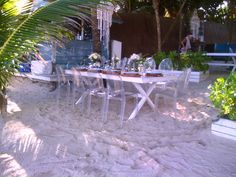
column 96, row 59
column 135, row 61
column 115, row 62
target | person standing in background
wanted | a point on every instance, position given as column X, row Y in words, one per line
column 186, row 43
column 189, row 43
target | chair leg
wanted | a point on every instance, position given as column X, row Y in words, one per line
column 58, row 96
column 106, row 110
column 136, row 104
column 175, row 107
column 103, row 111
column 73, row 95
column 68, row 92
column 156, row 102
column 82, row 101
column 187, row 106
column 122, row 112
column 89, row 104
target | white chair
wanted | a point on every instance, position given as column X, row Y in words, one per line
column 95, row 88
column 63, row 81
column 166, row 64
column 86, row 87
column 109, row 90
column 149, row 64
column 80, row 90
column 115, row 91
column 124, row 63
column 176, row 89
column 89, row 87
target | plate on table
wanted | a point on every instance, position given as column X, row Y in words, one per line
column 82, row 69
column 131, row 74
column 113, row 72
column 153, row 74
column 95, row 70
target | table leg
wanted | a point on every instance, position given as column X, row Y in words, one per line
column 144, row 98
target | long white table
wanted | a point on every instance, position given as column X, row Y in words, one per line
column 232, row 55
column 138, row 83
column 47, row 78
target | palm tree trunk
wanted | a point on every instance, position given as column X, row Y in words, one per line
column 180, row 28
column 95, row 33
column 3, row 103
column 156, row 5
column 129, row 6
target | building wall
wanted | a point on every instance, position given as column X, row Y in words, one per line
column 218, row 33
column 138, row 34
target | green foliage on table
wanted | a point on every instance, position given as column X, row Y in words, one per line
column 196, row 60
column 223, row 95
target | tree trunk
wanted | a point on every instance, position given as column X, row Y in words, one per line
column 3, row 103
column 173, row 24
column 156, row 5
column 180, row 28
column 231, row 19
column 95, row 33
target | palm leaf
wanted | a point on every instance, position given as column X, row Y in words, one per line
column 47, row 23
column 10, row 17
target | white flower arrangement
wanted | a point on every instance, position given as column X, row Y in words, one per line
column 115, row 61
column 134, row 61
column 134, row 57
column 95, row 57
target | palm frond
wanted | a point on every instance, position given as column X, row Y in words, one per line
column 46, row 23
column 11, row 16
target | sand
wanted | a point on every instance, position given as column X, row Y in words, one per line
column 38, row 139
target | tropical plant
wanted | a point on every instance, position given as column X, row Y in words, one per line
column 52, row 22
column 196, row 60
column 174, row 56
column 223, row 96
column 10, row 17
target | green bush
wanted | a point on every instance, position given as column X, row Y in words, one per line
column 223, row 96
column 196, row 60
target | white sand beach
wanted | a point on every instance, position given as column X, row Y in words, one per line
column 40, row 140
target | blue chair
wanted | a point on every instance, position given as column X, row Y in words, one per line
column 233, row 47
column 221, row 48
column 224, row 48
